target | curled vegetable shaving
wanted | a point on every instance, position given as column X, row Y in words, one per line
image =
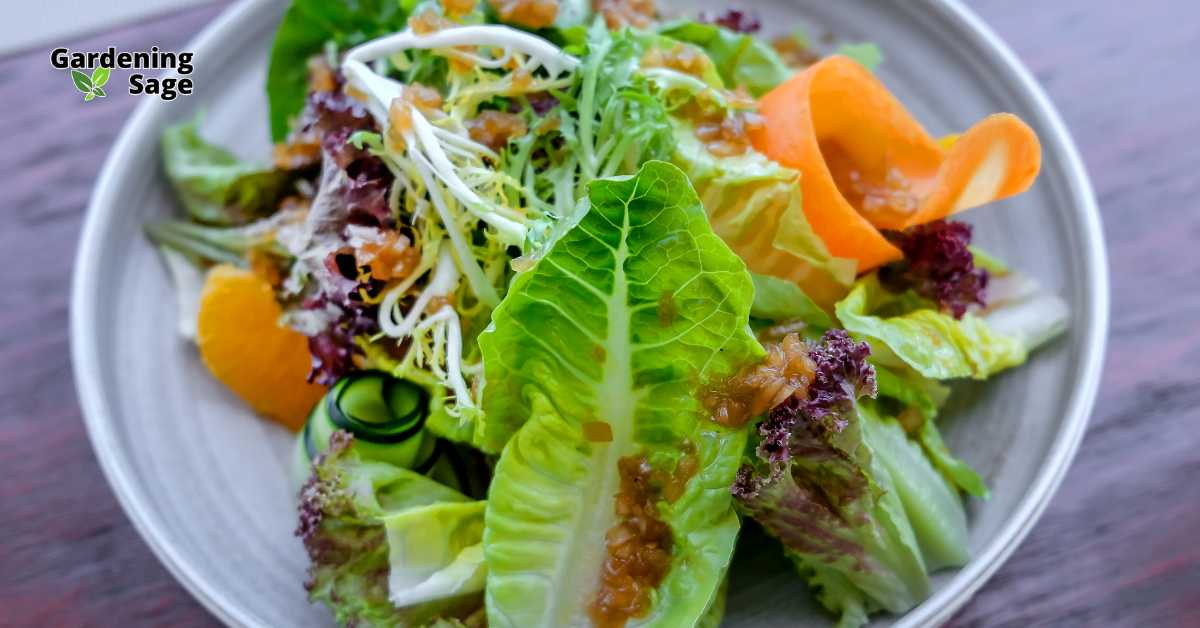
column 867, row 164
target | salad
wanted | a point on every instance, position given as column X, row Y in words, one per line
column 558, row 295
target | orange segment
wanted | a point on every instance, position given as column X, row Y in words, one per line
column 245, row 347
column 867, row 164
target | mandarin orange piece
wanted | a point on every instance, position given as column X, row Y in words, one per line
column 246, row 348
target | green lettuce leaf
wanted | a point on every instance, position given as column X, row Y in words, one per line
column 994, row 265
column 954, row 469
column 835, row 508
column 388, row 546
column 742, row 60
column 215, row 186
column 925, row 396
column 781, row 300
column 836, row 593
column 435, row 552
column 754, row 204
column 305, row 31
column 855, row 502
column 931, row 342
column 911, row 390
column 931, row 504
column 866, row 53
column 620, row 325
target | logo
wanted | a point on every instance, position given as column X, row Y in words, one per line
column 176, row 70
column 91, row 86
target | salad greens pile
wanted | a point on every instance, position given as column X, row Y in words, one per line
column 520, row 250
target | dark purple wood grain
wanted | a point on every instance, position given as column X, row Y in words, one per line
column 68, row 554
column 1117, row 546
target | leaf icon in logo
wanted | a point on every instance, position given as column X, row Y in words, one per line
column 97, row 90
column 100, row 77
column 82, row 82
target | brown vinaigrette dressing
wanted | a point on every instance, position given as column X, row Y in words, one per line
column 528, row 13
column 494, row 128
column 787, row 370
column 621, row 13
column 638, row 547
column 888, row 193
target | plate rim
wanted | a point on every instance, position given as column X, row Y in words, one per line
column 934, row 610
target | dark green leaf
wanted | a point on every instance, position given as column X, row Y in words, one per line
column 82, row 82
column 303, row 33
column 99, row 91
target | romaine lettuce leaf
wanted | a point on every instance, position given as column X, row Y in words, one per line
column 931, row 342
column 754, row 204
column 742, row 60
column 600, row 352
column 388, row 546
column 214, row 186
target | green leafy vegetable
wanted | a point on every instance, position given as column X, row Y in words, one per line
column 911, row 390
column 388, row 546
column 754, row 204
column 203, row 244
column 826, row 493
column 610, row 125
column 780, row 300
column 930, row 503
column 931, row 342
column 614, row 332
column 954, row 469
column 854, row 501
column 306, row 29
column 866, row 53
column 994, row 265
column 214, row 186
column 742, row 60
column 915, row 392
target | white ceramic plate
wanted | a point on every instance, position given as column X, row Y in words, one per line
column 206, row 483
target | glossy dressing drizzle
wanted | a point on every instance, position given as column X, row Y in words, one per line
column 639, row 545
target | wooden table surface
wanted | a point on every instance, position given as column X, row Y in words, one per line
column 1117, row 546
